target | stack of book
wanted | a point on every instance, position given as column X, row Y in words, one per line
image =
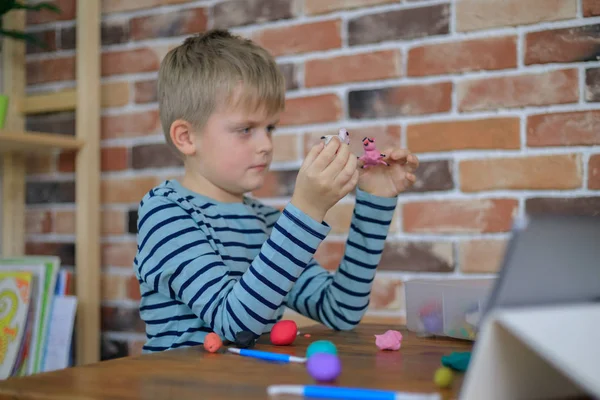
column 37, row 314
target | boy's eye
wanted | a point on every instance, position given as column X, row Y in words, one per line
column 271, row 128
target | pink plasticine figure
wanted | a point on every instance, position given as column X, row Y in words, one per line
column 390, row 340
column 343, row 135
column 372, row 156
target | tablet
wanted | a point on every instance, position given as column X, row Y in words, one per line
column 549, row 260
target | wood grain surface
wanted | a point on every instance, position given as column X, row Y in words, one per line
column 193, row 373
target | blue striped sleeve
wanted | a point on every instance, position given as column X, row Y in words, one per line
column 176, row 258
column 340, row 300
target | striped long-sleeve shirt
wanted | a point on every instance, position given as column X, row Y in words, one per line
column 206, row 266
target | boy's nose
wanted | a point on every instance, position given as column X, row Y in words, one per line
column 265, row 143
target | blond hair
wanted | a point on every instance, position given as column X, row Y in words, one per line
column 204, row 72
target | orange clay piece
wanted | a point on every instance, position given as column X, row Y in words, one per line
column 212, row 342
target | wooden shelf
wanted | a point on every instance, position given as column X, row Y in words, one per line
column 86, row 100
column 36, row 142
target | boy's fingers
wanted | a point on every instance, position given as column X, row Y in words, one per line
column 412, row 163
column 313, row 153
column 327, row 155
column 351, row 184
column 348, row 171
column 334, row 168
column 399, row 155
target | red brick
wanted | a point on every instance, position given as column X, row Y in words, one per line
column 582, row 205
column 468, row 55
column 136, row 347
column 59, row 122
column 535, row 89
column 232, row 13
column 50, row 70
column 591, row 8
column 387, row 294
column 111, row 159
column 66, row 161
column 112, row 287
column 459, row 216
column 479, row 134
column 129, row 62
column 562, row 45
column 395, row 25
column 545, row 172
column 352, row 68
column 133, row 288
column 126, row 190
column 295, row 39
column 112, row 6
column 400, row 100
column 40, row 163
column 476, row 14
column 119, row 254
column 338, row 217
column 113, row 222
column 312, row 7
column 592, row 85
column 312, row 109
column 417, row 257
column 578, row 128
column 130, row 125
column 68, row 11
column 329, row 254
column 433, row 176
column 384, row 136
column 285, row 148
column 146, row 92
column 47, row 37
column 38, row 221
column 481, row 256
column 154, row 155
column 114, row 158
column 64, row 222
column 594, row 172
column 174, row 23
column 290, row 73
column 65, row 251
column 50, row 191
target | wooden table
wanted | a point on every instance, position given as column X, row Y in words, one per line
column 193, row 373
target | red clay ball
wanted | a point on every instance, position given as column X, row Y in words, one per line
column 212, row 342
column 284, row 333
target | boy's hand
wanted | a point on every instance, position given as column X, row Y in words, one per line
column 324, row 178
column 389, row 181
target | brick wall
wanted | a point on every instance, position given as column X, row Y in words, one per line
column 499, row 98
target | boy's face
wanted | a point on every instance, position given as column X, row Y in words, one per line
column 234, row 152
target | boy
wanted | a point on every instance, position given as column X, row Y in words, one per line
column 211, row 259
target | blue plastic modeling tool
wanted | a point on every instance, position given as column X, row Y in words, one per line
column 347, row 393
column 265, row 355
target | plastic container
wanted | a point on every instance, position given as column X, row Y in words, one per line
column 446, row 307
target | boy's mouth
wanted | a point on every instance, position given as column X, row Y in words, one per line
column 259, row 166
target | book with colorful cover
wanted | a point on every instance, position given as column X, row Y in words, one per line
column 15, row 290
column 45, row 270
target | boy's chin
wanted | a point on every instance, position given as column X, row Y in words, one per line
column 254, row 186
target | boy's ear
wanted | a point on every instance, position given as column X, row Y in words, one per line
column 183, row 137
